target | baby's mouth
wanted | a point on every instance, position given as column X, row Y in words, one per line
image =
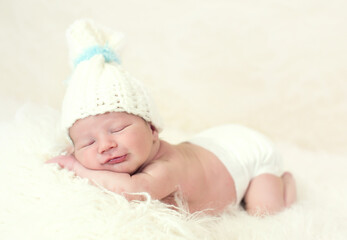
column 116, row 159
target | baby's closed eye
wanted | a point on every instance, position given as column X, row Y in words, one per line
column 86, row 144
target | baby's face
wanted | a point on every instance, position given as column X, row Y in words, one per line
column 116, row 141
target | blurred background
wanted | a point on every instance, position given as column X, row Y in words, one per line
column 276, row 66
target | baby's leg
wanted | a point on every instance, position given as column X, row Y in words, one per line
column 268, row 194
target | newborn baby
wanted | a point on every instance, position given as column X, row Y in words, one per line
column 114, row 128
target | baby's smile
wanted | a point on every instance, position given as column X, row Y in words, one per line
column 117, row 160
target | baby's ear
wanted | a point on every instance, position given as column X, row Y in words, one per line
column 155, row 132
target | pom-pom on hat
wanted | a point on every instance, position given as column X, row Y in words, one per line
column 98, row 83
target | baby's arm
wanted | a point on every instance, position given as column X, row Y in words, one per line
column 159, row 182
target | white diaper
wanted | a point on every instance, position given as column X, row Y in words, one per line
column 244, row 152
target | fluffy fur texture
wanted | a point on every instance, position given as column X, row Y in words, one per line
column 275, row 66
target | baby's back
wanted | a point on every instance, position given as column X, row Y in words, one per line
column 206, row 183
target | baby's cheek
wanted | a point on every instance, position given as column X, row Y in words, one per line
column 86, row 158
column 79, row 156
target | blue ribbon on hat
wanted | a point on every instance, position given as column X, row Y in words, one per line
column 106, row 51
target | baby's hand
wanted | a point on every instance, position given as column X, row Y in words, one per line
column 65, row 161
column 70, row 163
column 101, row 178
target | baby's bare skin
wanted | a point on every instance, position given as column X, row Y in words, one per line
column 204, row 181
column 128, row 157
column 201, row 178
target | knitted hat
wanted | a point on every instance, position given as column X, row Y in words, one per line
column 98, row 83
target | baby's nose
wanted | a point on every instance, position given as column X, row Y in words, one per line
column 107, row 143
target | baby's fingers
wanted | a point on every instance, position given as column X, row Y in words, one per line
column 67, row 161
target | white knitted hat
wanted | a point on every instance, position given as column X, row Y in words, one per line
column 98, row 83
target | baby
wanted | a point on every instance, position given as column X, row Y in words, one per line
column 114, row 128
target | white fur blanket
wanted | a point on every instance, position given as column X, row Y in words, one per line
column 275, row 66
